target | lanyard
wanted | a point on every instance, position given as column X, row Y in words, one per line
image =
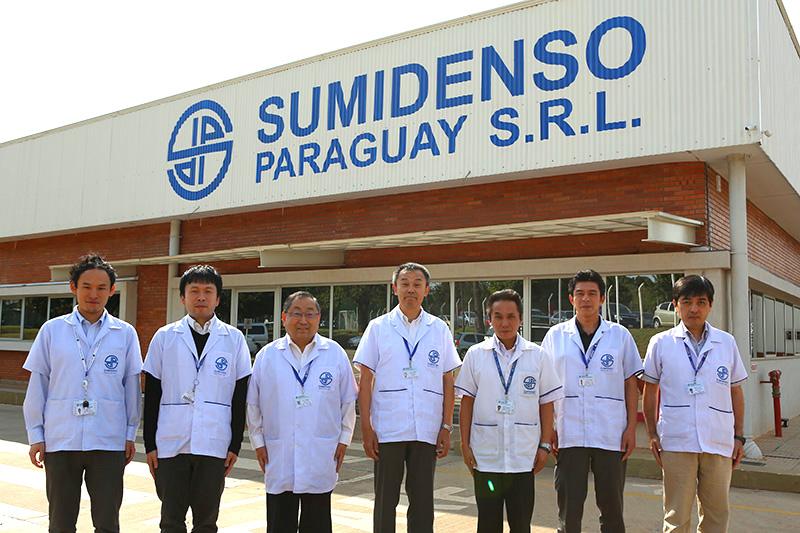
column 506, row 384
column 696, row 368
column 87, row 367
column 591, row 355
column 302, row 381
column 410, row 351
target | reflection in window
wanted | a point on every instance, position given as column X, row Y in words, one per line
column 549, row 305
column 35, row 316
column 353, row 307
column 470, row 312
column 60, row 306
column 255, row 318
column 323, row 296
column 223, row 310
column 113, row 305
column 436, row 303
column 11, row 319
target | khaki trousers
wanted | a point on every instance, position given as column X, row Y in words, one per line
column 704, row 475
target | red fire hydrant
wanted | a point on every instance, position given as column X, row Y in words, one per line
column 775, row 380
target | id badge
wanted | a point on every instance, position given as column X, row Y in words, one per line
column 586, row 380
column 302, row 400
column 505, row 407
column 410, row 373
column 84, row 408
column 695, row 388
column 188, row 396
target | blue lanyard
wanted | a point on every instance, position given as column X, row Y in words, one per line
column 696, row 368
column 591, row 355
column 302, row 381
column 410, row 351
column 506, row 384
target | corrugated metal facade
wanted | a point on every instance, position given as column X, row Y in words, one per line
column 695, row 88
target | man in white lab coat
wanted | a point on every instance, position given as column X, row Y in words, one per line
column 195, row 395
column 82, row 404
column 406, row 400
column 596, row 420
column 301, row 415
column 508, row 386
column 693, row 375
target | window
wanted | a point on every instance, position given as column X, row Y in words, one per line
column 255, row 318
column 11, row 318
column 757, row 321
column 223, row 310
column 35, row 316
column 470, row 299
column 60, row 306
column 353, row 307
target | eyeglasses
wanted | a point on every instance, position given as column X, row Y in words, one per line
column 296, row 315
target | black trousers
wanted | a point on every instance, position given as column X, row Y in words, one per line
column 315, row 513
column 494, row 490
column 418, row 459
column 571, row 480
column 188, row 480
column 64, row 473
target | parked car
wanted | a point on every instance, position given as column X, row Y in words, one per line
column 627, row 317
column 561, row 316
column 539, row 317
column 257, row 335
column 463, row 341
column 664, row 315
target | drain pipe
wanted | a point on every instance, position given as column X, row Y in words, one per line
column 172, row 269
column 740, row 300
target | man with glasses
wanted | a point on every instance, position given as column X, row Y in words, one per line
column 301, row 416
column 406, row 399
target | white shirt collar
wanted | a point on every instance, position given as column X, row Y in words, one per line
column 202, row 330
column 296, row 351
column 501, row 349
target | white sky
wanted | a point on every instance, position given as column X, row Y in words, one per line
column 66, row 61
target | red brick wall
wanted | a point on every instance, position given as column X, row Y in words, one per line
column 151, row 302
column 11, row 366
column 768, row 245
column 28, row 260
column 677, row 188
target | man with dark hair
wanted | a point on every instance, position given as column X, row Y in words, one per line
column 508, row 386
column 301, row 413
column 599, row 364
column 195, row 396
column 406, row 402
column 696, row 371
column 82, row 417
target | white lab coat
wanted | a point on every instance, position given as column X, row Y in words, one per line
column 507, row 442
column 700, row 423
column 406, row 409
column 301, row 441
column 56, row 383
column 594, row 416
column 202, row 427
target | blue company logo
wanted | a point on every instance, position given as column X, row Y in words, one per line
column 221, row 363
column 201, row 141
column 722, row 373
column 607, row 360
column 433, row 357
column 325, row 379
column 112, row 361
column 529, row 383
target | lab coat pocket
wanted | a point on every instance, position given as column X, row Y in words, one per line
column 526, row 438
column 484, row 440
column 217, row 420
column 59, row 422
column 174, row 421
column 110, row 419
column 720, row 425
column 676, row 421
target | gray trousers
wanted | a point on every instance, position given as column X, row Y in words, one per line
column 571, row 480
column 65, row 471
column 188, row 480
column 418, row 459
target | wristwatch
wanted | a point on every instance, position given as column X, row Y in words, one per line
column 741, row 439
column 546, row 446
column 448, row 427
